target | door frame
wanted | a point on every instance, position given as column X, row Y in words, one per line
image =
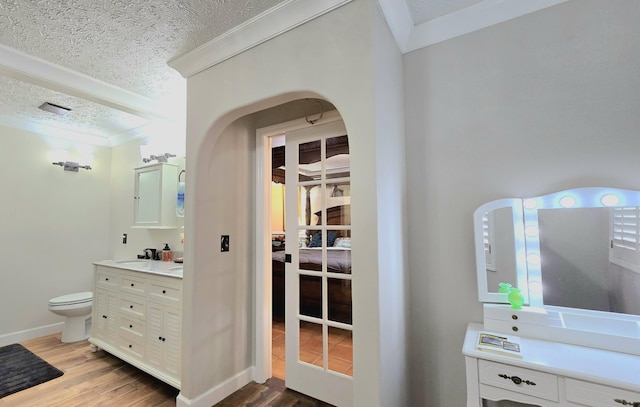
column 262, row 266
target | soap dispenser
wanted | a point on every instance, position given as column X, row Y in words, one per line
column 166, row 253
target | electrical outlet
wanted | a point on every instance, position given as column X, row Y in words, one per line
column 124, row 238
column 224, row 243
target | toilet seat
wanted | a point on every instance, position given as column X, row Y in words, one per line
column 72, row 299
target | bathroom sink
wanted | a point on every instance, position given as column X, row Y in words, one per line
column 134, row 263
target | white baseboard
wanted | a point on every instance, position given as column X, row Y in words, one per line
column 218, row 393
column 21, row 336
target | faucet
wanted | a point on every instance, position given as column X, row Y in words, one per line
column 150, row 254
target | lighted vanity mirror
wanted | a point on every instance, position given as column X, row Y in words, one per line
column 575, row 252
column 500, row 256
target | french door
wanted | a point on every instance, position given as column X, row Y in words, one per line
column 319, row 353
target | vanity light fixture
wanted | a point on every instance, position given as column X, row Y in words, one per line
column 160, row 158
column 71, row 166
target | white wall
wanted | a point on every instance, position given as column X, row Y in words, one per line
column 331, row 57
column 54, row 224
column 541, row 103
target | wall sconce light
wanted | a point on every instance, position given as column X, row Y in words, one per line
column 61, row 158
column 71, row 166
column 161, row 158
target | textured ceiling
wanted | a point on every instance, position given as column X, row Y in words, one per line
column 123, row 43
column 126, row 44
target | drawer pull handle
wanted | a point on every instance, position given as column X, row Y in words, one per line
column 130, row 326
column 130, row 346
column 517, row 380
column 132, row 284
column 106, row 279
column 131, row 306
column 628, row 403
column 164, row 291
column 104, row 316
column 514, row 317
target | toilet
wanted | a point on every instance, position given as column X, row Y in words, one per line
column 77, row 310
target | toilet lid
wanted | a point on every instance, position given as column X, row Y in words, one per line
column 70, row 299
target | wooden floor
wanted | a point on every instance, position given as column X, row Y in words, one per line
column 89, row 379
column 100, row 379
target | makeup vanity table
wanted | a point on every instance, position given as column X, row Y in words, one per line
column 551, row 373
column 570, row 353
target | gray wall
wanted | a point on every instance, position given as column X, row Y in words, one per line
column 545, row 102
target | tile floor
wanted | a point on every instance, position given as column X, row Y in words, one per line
column 340, row 348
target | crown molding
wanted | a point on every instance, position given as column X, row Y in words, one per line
column 410, row 37
column 36, row 71
column 53, row 131
column 276, row 21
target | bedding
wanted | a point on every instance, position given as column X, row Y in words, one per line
column 310, row 258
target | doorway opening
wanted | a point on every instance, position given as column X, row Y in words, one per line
column 305, row 207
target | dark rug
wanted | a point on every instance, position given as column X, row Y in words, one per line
column 21, row 369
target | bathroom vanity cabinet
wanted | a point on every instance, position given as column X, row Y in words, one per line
column 551, row 373
column 155, row 196
column 137, row 317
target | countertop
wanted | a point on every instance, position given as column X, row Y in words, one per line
column 163, row 268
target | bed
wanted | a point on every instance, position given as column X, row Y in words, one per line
column 338, row 290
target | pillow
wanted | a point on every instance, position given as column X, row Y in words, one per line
column 316, row 239
column 344, row 242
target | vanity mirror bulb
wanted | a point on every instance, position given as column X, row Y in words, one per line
column 610, row 200
column 533, row 258
column 568, row 202
column 531, row 231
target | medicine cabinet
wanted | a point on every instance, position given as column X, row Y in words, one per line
column 155, row 192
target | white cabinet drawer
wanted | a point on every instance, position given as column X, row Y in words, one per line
column 131, row 346
column 525, row 381
column 133, row 285
column 129, row 325
column 166, row 292
column 597, row 395
column 106, row 278
column 132, row 306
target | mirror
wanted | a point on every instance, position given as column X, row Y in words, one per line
column 578, row 248
column 499, row 254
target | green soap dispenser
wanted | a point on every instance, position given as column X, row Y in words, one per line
column 167, row 254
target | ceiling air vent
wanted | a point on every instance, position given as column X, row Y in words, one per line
column 57, row 109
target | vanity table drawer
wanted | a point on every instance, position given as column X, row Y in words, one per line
column 525, row 381
column 597, row 395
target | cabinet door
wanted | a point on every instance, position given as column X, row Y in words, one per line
column 172, row 332
column 105, row 324
column 155, row 196
column 148, row 183
column 163, row 343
